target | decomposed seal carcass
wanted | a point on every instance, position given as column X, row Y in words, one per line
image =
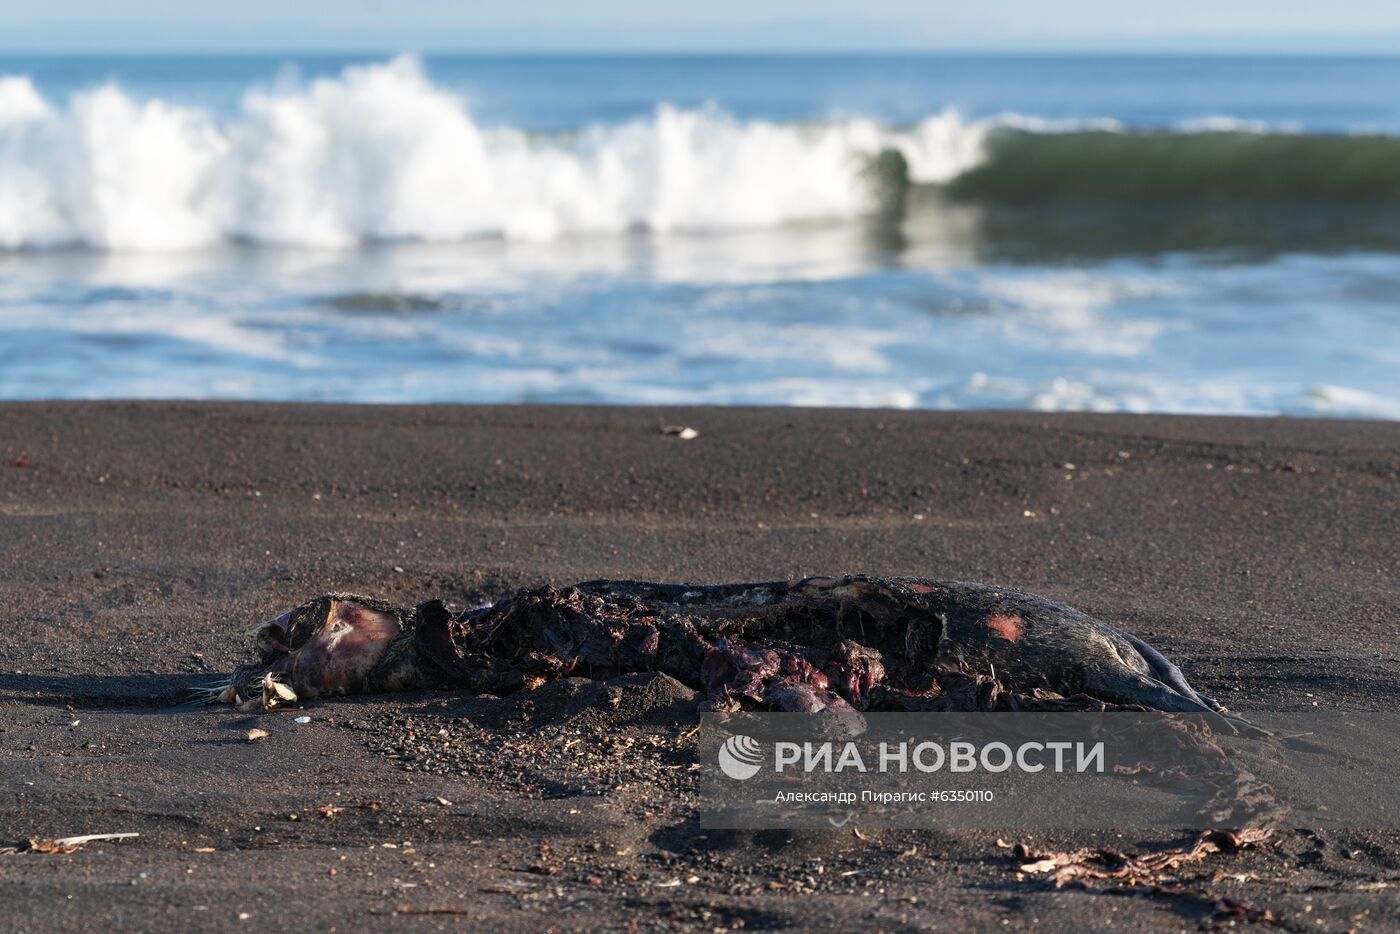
column 838, row 643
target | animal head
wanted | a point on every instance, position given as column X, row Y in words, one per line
column 329, row 645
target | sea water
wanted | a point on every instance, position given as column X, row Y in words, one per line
column 1174, row 233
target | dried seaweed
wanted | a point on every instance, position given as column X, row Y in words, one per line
column 1109, row 871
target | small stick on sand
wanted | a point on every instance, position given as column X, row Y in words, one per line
column 73, row 844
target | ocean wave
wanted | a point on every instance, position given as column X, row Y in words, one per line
column 380, row 153
column 1225, row 162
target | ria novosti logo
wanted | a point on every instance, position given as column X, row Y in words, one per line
column 740, row 756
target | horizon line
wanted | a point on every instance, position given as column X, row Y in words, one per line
column 711, row 52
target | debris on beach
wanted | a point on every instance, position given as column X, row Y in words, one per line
column 684, row 432
column 67, row 844
column 255, row 734
column 1109, row 871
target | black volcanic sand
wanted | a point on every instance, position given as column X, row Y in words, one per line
column 140, row 541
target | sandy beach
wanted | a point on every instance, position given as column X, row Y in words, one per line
column 141, row 540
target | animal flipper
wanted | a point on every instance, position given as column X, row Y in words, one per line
column 1130, row 687
column 1165, row 671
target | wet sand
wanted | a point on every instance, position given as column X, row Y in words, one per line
column 141, row 540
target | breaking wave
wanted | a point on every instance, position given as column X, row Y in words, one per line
column 1223, row 164
column 381, row 153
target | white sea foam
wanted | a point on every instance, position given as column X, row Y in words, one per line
column 1221, row 123
column 380, row 152
column 1081, row 311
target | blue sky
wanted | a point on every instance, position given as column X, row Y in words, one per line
column 725, row 25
